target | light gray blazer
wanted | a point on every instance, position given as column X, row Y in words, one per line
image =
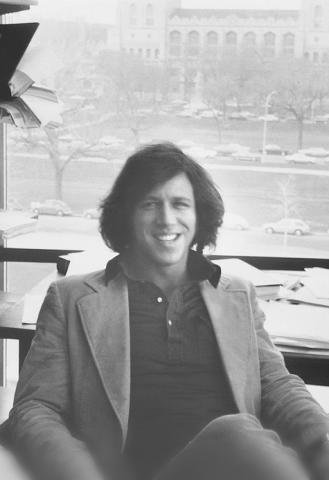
column 71, row 408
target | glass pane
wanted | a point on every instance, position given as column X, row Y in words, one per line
column 131, row 73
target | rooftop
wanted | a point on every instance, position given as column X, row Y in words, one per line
column 220, row 13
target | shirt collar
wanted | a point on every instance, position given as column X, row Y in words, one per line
column 199, row 266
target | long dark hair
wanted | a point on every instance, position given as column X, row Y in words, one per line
column 147, row 168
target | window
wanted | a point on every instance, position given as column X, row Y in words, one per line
column 115, row 101
column 211, row 45
column 149, row 14
column 249, row 40
column 317, row 18
column 133, row 14
column 193, row 44
column 212, row 39
column 175, row 43
column 231, row 39
column 112, row 102
column 325, row 57
column 288, row 44
column 269, row 45
column 316, row 57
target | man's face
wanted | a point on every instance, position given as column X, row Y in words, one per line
column 164, row 223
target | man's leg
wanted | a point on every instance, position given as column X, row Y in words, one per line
column 234, row 447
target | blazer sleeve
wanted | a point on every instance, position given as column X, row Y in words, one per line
column 286, row 405
column 38, row 427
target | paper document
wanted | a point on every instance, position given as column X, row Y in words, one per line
column 301, row 325
column 318, row 282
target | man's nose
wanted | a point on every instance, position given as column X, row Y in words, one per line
column 166, row 215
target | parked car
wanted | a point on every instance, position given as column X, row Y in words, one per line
column 246, row 155
column 91, row 213
column 241, row 115
column 269, row 118
column 227, row 149
column 273, row 149
column 51, row 207
column 293, row 226
column 321, row 119
column 300, row 158
column 234, row 222
column 317, row 152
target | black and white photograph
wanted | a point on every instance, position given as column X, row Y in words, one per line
column 164, row 240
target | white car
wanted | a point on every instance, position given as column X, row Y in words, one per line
column 294, row 226
column 246, row 155
column 233, row 221
column 317, row 152
column 300, row 158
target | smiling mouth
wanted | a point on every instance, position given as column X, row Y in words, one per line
column 167, row 238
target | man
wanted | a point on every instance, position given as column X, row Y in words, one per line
column 159, row 366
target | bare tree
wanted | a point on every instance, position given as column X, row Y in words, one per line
column 299, row 83
column 135, row 89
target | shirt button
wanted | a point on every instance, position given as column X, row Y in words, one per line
column 169, row 323
column 159, row 299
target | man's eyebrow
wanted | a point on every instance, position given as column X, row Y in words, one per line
column 158, row 197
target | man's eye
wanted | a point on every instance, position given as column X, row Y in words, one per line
column 149, row 204
column 181, row 204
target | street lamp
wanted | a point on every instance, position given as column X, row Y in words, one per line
column 267, row 104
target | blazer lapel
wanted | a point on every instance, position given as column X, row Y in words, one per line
column 105, row 319
column 228, row 311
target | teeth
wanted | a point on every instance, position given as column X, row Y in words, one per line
column 167, row 238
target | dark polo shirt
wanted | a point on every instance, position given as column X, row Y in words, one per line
column 178, row 384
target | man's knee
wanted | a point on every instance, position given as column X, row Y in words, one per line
column 232, row 425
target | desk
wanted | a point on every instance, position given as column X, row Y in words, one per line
column 11, row 314
column 311, row 365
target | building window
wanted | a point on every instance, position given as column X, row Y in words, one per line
column 140, row 52
column 193, row 44
column 317, row 18
column 231, row 39
column 315, row 57
column 156, row 53
column 131, row 51
column 149, row 20
column 211, row 45
column 212, row 39
column 325, row 57
column 175, row 43
column 288, row 44
column 148, row 53
column 132, row 14
column 249, row 40
column 269, row 44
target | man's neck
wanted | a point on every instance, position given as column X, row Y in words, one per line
column 165, row 277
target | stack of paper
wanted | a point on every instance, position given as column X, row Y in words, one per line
column 300, row 326
column 267, row 285
column 315, row 290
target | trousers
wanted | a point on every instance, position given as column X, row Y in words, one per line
column 235, row 447
column 232, row 447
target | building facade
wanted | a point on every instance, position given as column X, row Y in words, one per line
column 161, row 29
